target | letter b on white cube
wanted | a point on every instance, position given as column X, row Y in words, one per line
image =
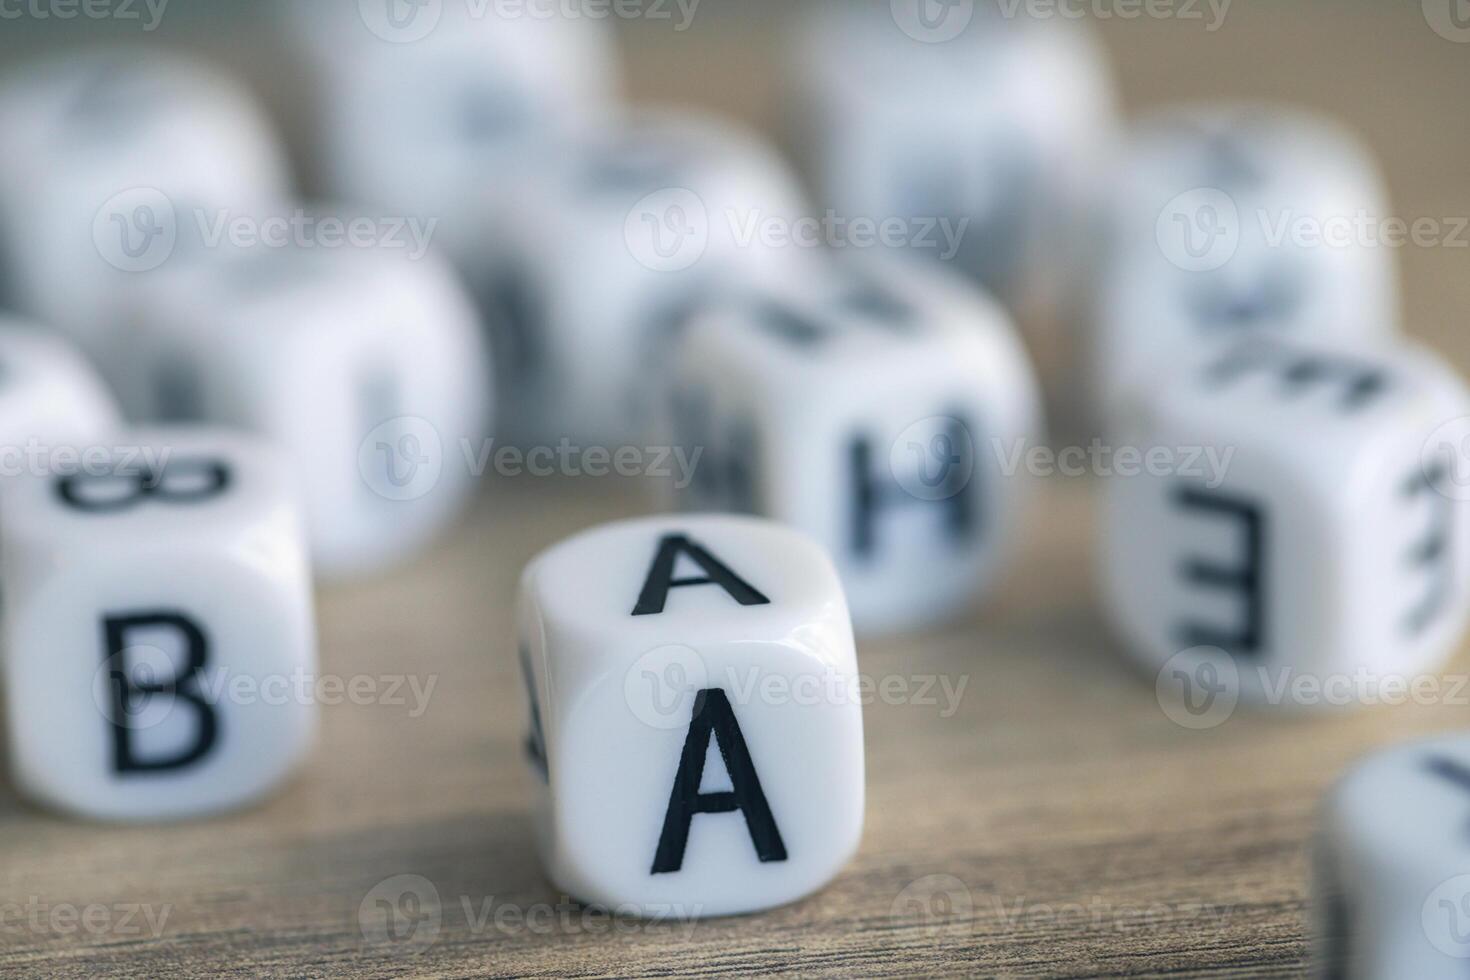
column 158, row 624
column 696, row 729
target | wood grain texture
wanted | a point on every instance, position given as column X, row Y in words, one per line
column 1072, row 828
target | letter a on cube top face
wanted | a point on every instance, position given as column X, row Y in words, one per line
column 1392, row 865
column 695, row 725
column 158, row 625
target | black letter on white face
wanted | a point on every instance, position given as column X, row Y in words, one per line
column 125, row 692
column 1247, row 578
column 661, row 577
column 1435, row 554
column 1301, row 371
column 181, row 481
column 940, row 466
column 536, row 737
column 713, row 714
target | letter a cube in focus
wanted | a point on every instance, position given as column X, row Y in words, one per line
column 695, row 722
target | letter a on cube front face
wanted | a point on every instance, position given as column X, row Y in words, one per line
column 688, row 767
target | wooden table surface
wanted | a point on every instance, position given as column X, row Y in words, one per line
column 1055, row 823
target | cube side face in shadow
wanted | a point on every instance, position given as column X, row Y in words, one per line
column 695, row 727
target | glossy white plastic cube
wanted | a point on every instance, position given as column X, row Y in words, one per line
column 951, row 112
column 1304, row 521
column 611, row 243
column 429, row 109
column 879, row 409
column 157, row 608
column 367, row 364
column 1240, row 219
column 695, row 725
column 50, row 397
column 113, row 158
column 1391, row 895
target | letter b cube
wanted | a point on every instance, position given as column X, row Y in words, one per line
column 157, row 627
column 695, row 722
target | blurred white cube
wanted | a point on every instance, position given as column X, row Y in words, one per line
column 1240, row 219
column 366, row 363
column 616, row 238
column 430, row 109
column 113, row 155
column 993, row 130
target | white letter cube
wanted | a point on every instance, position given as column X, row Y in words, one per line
column 157, row 607
column 696, row 728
